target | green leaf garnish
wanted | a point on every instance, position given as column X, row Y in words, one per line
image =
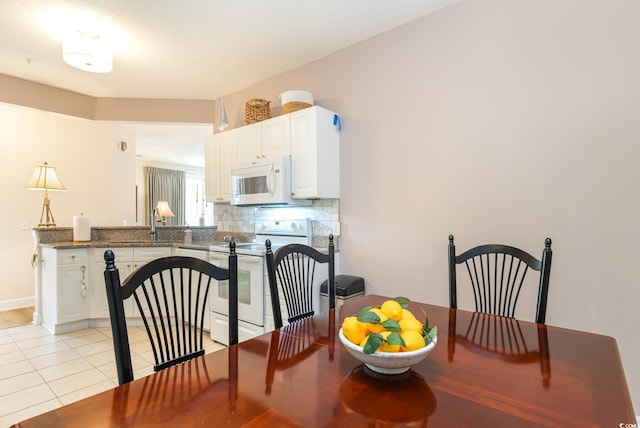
column 365, row 309
column 395, row 339
column 391, row 325
column 430, row 335
column 373, row 343
column 404, row 302
column 368, row 316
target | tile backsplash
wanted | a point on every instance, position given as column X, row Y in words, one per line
column 324, row 214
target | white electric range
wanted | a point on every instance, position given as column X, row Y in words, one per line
column 252, row 282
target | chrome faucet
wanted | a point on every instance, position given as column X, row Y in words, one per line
column 154, row 233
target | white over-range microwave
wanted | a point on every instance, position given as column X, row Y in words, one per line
column 264, row 181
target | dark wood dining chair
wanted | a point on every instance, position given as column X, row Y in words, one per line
column 497, row 273
column 170, row 294
column 291, row 272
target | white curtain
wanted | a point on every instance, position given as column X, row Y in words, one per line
column 165, row 185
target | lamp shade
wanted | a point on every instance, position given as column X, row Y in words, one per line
column 88, row 53
column 44, row 178
column 164, row 210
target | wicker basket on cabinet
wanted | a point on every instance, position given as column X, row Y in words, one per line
column 256, row 110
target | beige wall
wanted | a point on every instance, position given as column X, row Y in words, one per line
column 496, row 121
column 493, row 120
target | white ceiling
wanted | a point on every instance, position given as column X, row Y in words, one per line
column 189, row 49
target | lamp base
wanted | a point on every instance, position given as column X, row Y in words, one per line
column 46, row 218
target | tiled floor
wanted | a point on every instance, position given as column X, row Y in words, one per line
column 40, row 371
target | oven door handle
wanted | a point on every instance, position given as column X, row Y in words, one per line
column 250, row 259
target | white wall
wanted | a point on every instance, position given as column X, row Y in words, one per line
column 497, row 121
column 98, row 179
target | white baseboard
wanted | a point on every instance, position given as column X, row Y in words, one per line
column 6, row 305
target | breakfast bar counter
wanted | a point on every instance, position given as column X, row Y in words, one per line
column 484, row 371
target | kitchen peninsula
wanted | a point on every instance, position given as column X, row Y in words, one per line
column 69, row 283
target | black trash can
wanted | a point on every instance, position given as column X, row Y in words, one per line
column 347, row 287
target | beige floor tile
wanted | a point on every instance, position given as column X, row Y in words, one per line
column 8, row 347
column 144, row 371
column 21, row 415
column 27, row 332
column 94, row 348
column 140, row 347
column 45, row 349
column 11, row 357
column 37, row 341
column 17, row 383
column 65, row 369
column 75, row 382
column 86, row 339
column 100, row 358
column 54, row 358
column 15, row 369
column 109, row 370
column 138, row 362
column 78, row 333
column 88, row 391
column 25, row 398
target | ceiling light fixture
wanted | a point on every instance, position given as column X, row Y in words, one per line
column 88, row 53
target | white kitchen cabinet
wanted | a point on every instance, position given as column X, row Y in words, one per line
column 127, row 259
column 98, row 306
column 65, row 276
column 203, row 255
column 220, row 155
column 315, row 154
column 268, row 138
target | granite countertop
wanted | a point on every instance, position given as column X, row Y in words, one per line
column 195, row 245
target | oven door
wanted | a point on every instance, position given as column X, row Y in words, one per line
column 250, row 288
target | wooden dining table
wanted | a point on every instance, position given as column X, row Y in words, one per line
column 484, row 371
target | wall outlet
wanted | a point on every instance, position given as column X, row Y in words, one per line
column 24, row 224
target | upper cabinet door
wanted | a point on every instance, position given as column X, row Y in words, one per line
column 276, row 136
column 271, row 137
column 220, row 156
column 315, row 154
column 249, row 145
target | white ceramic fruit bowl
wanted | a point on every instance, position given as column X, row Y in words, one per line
column 388, row 362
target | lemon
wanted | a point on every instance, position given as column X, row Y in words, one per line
column 388, row 348
column 406, row 313
column 354, row 330
column 377, row 328
column 392, row 309
column 364, row 341
column 407, row 324
column 413, row 340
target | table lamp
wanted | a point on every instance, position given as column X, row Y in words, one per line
column 164, row 210
column 45, row 178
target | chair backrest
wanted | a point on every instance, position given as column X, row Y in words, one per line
column 170, row 295
column 291, row 269
column 497, row 274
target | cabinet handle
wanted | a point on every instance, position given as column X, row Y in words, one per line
column 83, row 282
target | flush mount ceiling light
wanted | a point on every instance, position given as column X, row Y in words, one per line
column 88, row 53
